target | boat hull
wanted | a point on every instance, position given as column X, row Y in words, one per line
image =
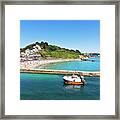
column 73, row 82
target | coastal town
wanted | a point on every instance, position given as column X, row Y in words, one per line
column 33, row 56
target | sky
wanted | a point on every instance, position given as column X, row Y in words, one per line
column 83, row 35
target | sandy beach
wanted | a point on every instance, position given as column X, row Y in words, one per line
column 35, row 63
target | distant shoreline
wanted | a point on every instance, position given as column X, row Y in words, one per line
column 36, row 63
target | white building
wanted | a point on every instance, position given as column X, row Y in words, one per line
column 31, row 54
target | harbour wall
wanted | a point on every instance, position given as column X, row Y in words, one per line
column 63, row 72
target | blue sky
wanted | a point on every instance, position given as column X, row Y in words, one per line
column 83, row 35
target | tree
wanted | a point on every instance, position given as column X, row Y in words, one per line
column 37, row 43
column 77, row 51
column 46, row 44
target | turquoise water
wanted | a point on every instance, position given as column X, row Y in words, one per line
column 75, row 65
column 51, row 87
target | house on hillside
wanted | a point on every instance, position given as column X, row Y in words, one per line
column 83, row 57
column 31, row 54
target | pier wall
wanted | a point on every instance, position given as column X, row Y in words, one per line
column 63, row 72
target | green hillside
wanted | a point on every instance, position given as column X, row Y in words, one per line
column 53, row 51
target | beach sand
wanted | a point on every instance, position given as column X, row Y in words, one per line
column 35, row 63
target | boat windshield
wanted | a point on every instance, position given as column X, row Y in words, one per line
column 74, row 76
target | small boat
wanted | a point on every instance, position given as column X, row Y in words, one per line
column 74, row 80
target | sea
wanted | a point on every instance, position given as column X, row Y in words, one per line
column 52, row 87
